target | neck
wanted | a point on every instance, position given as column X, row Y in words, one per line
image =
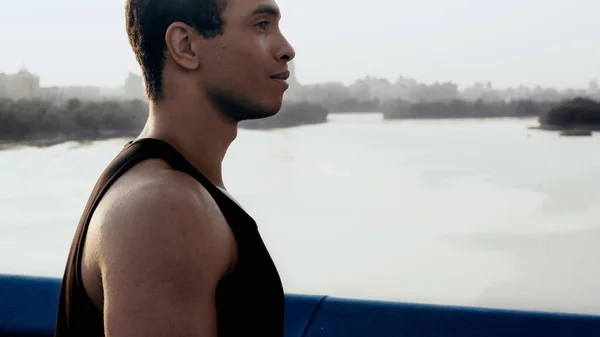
column 196, row 130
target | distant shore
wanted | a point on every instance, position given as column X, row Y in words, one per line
column 39, row 123
column 44, row 123
column 589, row 127
column 49, row 140
column 578, row 115
column 291, row 115
column 460, row 109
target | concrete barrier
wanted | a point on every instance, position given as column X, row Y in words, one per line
column 28, row 309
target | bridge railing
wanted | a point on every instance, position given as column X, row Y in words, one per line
column 28, row 309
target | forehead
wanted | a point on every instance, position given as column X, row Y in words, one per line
column 242, row 9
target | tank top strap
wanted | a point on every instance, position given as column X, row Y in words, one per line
column 165, row 151
column 157, row 148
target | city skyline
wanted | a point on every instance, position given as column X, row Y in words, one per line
column 118, row 84
column 509, row 43
column 25, row 84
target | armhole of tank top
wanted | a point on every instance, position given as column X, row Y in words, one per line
column 166, row 152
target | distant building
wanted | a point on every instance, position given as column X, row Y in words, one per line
column 360, row 90
column 327, row 93
column 50, row 93
column 25, row 85
column 293, row 80
column 594, row 89
column 381, row 88
column 21, row 85
column 404, row 87
column 3, row 86
column 134, row 87
column 294, row 92
column 115, row 93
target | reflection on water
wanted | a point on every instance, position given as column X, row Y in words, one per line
column 558, row 271
column 464, row 212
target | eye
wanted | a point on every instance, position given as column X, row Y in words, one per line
column 262, row 25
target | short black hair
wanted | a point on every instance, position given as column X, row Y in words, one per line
column 147, row 22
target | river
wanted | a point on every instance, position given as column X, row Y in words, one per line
column 459, row 212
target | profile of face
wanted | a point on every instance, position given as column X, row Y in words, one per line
column 244, row 70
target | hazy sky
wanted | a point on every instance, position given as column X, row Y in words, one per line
column 509, row 42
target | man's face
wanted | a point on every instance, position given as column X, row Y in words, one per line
column 243, row 71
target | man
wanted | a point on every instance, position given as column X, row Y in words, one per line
column 161, row 249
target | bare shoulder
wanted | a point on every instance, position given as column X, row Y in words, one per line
column 162, row 246
column 154, row 208
column 151, row 195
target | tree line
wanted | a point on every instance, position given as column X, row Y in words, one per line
column 577, row 112
column 574, row 113
column 25, row 120
column 464, row 109
column 73, row 119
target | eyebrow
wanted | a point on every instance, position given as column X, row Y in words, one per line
column 266, row 10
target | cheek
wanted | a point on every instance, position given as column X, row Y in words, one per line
column 241, row 67
column 250, row 55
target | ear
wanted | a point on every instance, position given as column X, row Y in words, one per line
column 179, row 38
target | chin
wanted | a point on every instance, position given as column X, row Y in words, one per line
column 240, row 109
column 275, row 107
column 264, row 110
column 263, row 113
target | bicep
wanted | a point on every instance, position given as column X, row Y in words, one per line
column 144, row 302
column 159, row 275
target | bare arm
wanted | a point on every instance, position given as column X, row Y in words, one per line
column 162, row 257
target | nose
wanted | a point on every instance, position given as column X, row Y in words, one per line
column 286, row 52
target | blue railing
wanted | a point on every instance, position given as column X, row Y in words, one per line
column 28, row 309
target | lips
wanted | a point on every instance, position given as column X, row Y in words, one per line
column 281, row 76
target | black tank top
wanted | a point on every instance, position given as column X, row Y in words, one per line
column 249, row 300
